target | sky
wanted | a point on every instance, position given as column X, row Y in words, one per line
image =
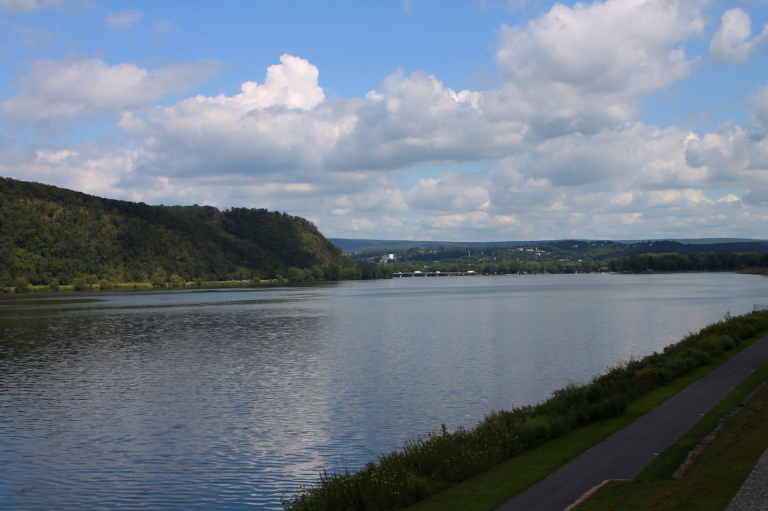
column 432, row 120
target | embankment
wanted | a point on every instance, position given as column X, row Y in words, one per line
column 440, row 460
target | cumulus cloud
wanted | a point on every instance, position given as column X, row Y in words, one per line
column 79, row 87
column 288, row 123
column 577, row 69
column 570, row 71
column 28, row 5
column 759, row 101
column 730, row 41
column 452, row 192
column 572, row 158
column 92, row 167
column 123, row 20
column 731, row 154
column 292, row 83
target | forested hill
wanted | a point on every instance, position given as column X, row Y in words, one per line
column 49, row 233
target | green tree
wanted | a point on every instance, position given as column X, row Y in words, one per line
column 177, row 281
column 295, row 274
column 159, row 278
column 23, row 285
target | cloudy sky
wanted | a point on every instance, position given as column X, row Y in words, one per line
column 464, row 120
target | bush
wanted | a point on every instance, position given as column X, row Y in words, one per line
column 159, row 278
column 23, row 285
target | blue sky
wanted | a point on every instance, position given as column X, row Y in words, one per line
column 470, row 120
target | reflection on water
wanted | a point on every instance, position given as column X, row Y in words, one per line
column 226, row 399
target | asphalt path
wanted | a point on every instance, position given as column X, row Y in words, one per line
column 624, row 454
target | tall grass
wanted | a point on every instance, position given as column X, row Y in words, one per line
column 440, row 459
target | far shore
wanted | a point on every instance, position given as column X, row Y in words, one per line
column 145, row 286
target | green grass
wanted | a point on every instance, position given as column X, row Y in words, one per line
column 489, row 490
column 715, row 476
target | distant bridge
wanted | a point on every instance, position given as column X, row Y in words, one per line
column 400, row 274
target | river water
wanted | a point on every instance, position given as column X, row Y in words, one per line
column 227, row 399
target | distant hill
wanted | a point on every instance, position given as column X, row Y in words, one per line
column 700, row 241
column 51, row 233
column 352, row 245
column 574, row 256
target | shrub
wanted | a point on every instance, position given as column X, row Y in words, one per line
column 159, row 278
column 23, row 285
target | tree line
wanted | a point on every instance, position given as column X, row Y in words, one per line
column 710, row 261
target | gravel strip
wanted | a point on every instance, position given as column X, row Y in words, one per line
column 753, row 494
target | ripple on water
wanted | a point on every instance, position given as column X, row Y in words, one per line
column 228, row 399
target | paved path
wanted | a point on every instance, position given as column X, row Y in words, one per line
column 753, row 494
column 626, row 452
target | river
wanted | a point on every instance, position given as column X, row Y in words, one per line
column 228, row 399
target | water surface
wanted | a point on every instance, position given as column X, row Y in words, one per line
column 225, row 399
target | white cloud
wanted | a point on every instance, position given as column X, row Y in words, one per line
column 730, row 41
column 577, row 69
column 573, row 159
column 667, row 198
column 729, row 198
column 292, row 83
column 123, row 20
column 78, row 87
column 287, row 123
column 95, row 167
column 572, row 70
column 452, row 192
column 28, row 5
column 759, row 101
column 624, row 198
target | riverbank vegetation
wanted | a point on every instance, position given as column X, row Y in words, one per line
column 52, row 238
column 715, row 475
column 439, row 460
column 575, row 256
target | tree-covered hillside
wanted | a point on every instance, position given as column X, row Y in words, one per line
column 570, row 256
column 52, row 234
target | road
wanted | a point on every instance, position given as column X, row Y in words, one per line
column 624, row 454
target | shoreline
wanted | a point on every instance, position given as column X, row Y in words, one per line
column 511, row 451
column 147, row 286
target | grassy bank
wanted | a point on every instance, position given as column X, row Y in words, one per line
column 717, row 473
column 429, row 464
